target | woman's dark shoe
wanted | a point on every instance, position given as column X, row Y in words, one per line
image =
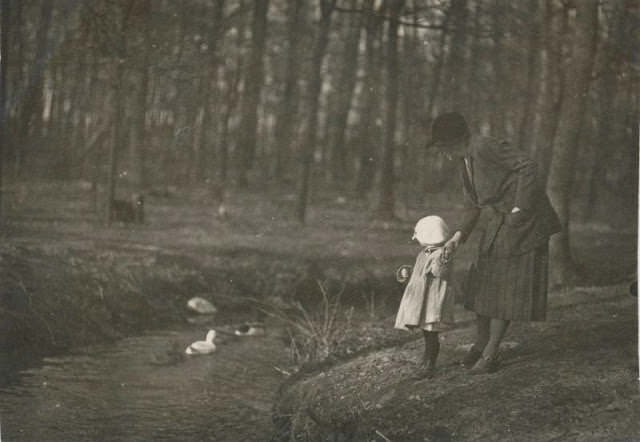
column 486, row 365
column 472, row 356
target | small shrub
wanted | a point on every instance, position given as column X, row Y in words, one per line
column 314, row 333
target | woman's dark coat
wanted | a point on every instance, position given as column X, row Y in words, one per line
column 497, row 178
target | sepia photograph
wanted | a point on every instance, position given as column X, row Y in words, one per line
column 319, row 220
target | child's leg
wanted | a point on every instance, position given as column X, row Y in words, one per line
column 431, row 348
column 498, row 328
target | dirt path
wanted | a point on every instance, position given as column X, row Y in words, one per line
column 570, row 378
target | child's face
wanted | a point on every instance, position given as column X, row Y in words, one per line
column 424, row 244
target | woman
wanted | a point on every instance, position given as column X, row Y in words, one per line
column 505, row 200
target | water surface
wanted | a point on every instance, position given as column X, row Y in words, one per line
column 140, row 389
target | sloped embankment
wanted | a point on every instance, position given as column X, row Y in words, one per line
column 570, row 378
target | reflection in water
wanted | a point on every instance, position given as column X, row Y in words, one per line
column 142, row 389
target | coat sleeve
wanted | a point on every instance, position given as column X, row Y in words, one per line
column 471, row 211
column 518, row 162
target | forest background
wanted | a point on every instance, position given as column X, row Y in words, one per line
column 318, row 99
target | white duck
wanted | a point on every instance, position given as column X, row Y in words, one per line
column 203, row 347
column 202, row 306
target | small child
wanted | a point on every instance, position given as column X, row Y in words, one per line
column 427, row 303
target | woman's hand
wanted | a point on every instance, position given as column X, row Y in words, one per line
column 516, row 217
column 451, row 246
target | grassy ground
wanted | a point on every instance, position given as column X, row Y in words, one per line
column 68, row 281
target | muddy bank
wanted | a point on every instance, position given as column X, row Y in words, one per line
column 570, row 378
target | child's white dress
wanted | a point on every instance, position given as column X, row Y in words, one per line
column 427, row 303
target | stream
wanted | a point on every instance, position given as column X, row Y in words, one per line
column 143, row 388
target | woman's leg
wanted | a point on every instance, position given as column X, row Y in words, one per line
column 488, row 362
column 483, row 332
column 497, row 330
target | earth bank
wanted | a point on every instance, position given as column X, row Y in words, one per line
column 573, row 377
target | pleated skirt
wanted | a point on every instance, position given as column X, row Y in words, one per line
column 511, row 288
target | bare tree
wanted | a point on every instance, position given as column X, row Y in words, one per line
column 4, row 64
column 208, row 87
column 344, row 97
column 387, row 199
column 370, row 100
column 554, row 81
column 613, row 59
column 32, row 102
column 561, row 176
column 498, row 111
column 525, row 131
column 286, row 115
column 117, row 120
column 251, row 98
column 125, row 17
column 315, row 87
column 454, row 85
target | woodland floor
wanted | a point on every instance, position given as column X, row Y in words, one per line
column 573, row 377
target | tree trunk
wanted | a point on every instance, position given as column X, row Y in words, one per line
column 32, row 101
column 231, row 100
column 250, row 101
column 71, row 129
column 115, row 142
column 288, row 108
column 4, row 64
column 498, row 113
column 608, row 90
column 473, row 74
column 525, row 133
column 345, row 89
column 412, row 113
column 370, row 100
column 315, row 87
column 439, row 67
column 435, row 164
column 562, row 171
column 454, row 87
column 207, row 145
column 386, row 205
column 138, row 144
column 554, row 88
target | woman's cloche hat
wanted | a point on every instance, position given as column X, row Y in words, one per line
column 431, row 230
column 447, row 128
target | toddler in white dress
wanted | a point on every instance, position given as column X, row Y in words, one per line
column 427, row 303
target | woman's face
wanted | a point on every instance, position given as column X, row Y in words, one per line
column 453, row 150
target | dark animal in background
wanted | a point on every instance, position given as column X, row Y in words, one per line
column 633, row 288
column 131, row 211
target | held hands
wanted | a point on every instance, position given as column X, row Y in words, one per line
column 451, row 246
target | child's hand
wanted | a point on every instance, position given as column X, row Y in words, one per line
column 402, row 273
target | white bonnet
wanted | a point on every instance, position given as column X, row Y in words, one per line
column 431, row 230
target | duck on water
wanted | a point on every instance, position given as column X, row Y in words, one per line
column 203, row 347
